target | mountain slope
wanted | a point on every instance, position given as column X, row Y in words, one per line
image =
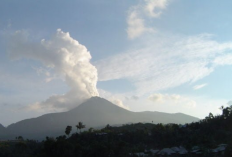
column 95, row 112
column 2, row 130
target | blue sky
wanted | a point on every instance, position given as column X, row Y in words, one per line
column 157, row 55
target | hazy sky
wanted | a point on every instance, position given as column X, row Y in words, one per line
column 157, row 55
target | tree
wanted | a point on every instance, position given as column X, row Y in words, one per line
column 68, row 130
column 211, row 116
column 221, row 108
column 80, row 126
column 226, row 112
column 91, row 129
column 108, row 127
column 19, row 138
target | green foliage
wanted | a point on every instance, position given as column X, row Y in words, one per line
column 68, row 130
column 80, row 126
column 129, row 138
column 228, row 151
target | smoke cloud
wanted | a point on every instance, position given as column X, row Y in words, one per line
column 67, row 58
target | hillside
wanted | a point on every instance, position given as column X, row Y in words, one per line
column 2, row 130
column 209, row 137
column 95, row 112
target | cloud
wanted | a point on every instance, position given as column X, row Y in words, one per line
column 164, row 62
column 136, row 26
column 65, row 57
column 114, row 98
column 138, row 14
column 9, row 23
column 156, row 97
column 47, row 73
column 154, row 7
column 199, row 86
column 133, row 97
column 223, row 60
column 119, row 103
column 229, row 103
column 172, row 99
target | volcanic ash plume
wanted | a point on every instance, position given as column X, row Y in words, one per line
column 68, row 58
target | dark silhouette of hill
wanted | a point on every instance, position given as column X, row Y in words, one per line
column 1, row 127
column 2, row 130
column 95, row 112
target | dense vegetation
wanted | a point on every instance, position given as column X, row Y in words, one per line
column 129, row 138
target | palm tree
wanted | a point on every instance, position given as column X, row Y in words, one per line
column 68, row 130
column 80, row 126
column 222, row 107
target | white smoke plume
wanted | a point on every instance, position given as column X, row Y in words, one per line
column 66, row 57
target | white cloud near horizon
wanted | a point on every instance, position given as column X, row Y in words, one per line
column 67, row 58
column 172, row 99
column 229, row 103
column 138, row 14
column 196, row 87
column 118, row 102
column 133, row 97
column 114, row 98
column 165, row 62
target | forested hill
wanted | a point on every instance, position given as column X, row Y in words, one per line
column 209, row 137
column 95, row 112
column 2, row 129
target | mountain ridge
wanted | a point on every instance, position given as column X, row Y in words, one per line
column 95, row 112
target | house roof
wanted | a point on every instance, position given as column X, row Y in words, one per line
column 182, row 150
column 166, row 151
column 154, row 151
column 219, row 149
column 141, row 154
column 176, row 149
